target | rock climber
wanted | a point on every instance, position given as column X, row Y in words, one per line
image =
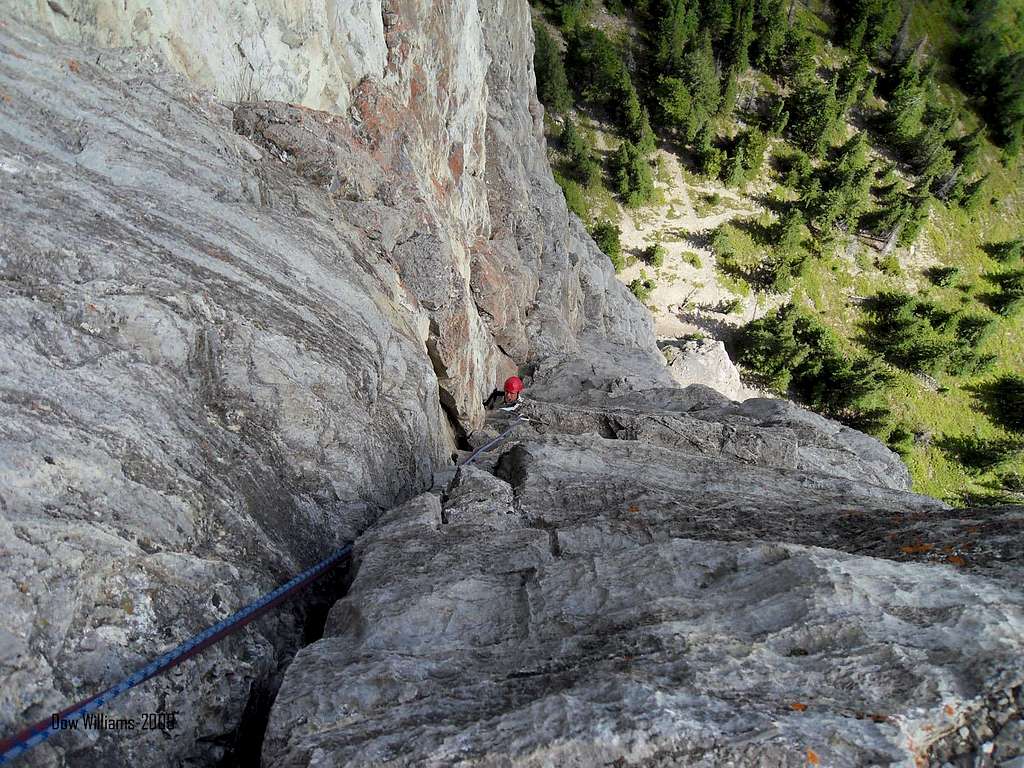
column 508, row 395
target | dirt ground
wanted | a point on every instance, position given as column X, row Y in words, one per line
column 688, row 299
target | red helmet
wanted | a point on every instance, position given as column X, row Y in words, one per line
column 513, row 384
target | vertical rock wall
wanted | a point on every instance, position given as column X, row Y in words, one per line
column 231, row 334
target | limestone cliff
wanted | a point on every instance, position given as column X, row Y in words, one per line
column 232, row 334
column 258, row 270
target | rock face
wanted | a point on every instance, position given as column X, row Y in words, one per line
column 705, row 361
column 667, row 597
column 235, row 335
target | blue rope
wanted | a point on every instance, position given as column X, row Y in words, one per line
column 41, row 731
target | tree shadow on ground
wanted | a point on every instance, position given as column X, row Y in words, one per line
column 978, row 454
column 1002, row 400
column 769, row 203
column 716, row 327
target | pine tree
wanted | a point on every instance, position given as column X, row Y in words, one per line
column 701, row 78
column 974, row 194
column 728, row 102
column 635, row 122
column 778, row 117
column 673, row 102
column 813, row 115
column 906, row 107
column 850, row 83
column 868, row 25
column 752, row 144
column 931, row 157
column 552, row 84
column 799, row 61
column 1006, row 95
column 632, row 174
column 710, row 159
column 716, row 17
column 770, row 34
column 967, row 151
column 584, row 166
column 738, row 51
column 677, row 22
column 918, row 203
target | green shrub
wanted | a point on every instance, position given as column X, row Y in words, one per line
column 728, row 306
column 655, row 255
column 944, row 277
column 642, row 287
column 575, row 197
column 890, row 265
column 693, row 259
column 606, row 235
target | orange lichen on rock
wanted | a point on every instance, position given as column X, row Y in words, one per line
column 917, row 549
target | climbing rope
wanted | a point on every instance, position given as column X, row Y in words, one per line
column 487, row 446
column 36, row 734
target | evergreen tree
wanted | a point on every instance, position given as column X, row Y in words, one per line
column 635, row 122
column 917, row 206
column 738, row 50
column 717, row 17
column 701, row 78
column 596, row 66
column 991, row 60
column 710, row 159
column 904, row 330
column 788, row 254
column 770, row 34
column 906, row 107
column 930, row 156
column 584, row 167
column 632, row 174
column 850, row 83
column 974, row 194
column 728, row 101
column 1006, row 97
column 1005, row 401
column 953, row 185
column 868, row 25
column 552, row 85
column 732, row 169
column 813, row 115
column 799, row 55
column 676, row 24
column 792, row 352
column 749, row 152
column 673, row 102
column 778, row 117
column 607, row 235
